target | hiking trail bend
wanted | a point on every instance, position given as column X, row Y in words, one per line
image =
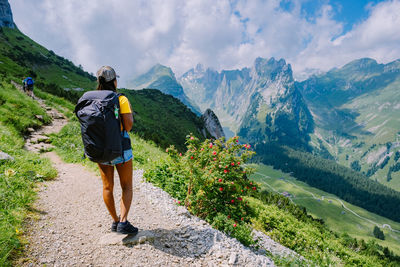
column 73, row 228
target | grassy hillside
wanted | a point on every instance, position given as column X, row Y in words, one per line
column 18, row 178
column 21, row 57
column 163, row 118
column 329, row 207
column 331, row 177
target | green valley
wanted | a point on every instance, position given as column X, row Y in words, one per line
column 340, row 216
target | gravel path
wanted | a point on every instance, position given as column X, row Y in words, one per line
column 73, row 229
column 73, row 225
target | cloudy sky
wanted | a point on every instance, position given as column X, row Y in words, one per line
column 133, row 35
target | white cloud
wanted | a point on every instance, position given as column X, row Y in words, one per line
column 134, row 35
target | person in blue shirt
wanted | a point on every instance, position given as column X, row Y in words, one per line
column 28, row 86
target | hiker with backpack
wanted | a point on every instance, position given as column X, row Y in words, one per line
column 106, row 118
column 28, row 86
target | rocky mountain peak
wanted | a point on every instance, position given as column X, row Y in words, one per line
column 6, row 17
column 272, row 69
column 212, row 124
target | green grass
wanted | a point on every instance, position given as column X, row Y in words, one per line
column 59, row 103
column 20, row 56
column 329, row 208
column 18, row 110
column 18, row 178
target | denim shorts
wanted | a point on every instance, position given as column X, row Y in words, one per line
column 127, row 155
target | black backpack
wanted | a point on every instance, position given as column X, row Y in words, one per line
column 98, row 113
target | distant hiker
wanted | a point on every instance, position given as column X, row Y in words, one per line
column 28, row 86
column 106, row 118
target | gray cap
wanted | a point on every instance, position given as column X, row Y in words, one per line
column 107, row 72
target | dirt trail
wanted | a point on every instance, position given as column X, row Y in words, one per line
column 73, row 228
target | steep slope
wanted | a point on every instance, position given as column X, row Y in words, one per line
column 20, row 57
column 162, row 78
column 356, row 110
column 260, row 103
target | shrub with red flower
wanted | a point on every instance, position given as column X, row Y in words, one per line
column 213, row 178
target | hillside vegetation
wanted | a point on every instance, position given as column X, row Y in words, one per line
column 163, row 119
column 331, row 177
column 18, row 177
column 339, row 215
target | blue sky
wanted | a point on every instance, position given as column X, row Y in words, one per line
column 349, row 12
column 133, row 35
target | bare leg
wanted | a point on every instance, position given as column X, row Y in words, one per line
column 125, row 177
column 107, row 175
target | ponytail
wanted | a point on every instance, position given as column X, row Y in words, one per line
column 103, row 85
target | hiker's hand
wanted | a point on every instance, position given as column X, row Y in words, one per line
column 127, row 120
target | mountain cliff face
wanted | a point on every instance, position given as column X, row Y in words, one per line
column 6, row 17
column 261, row 103
column 162, row 78
column 212, row 124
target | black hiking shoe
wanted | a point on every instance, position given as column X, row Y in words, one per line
column 114, row 226
column 127, row 228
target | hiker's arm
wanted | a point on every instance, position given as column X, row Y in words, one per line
column 127, row 120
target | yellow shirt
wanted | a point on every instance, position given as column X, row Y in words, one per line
column 124, row 107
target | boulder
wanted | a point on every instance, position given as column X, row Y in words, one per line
column 120, row 239
column 5, row 156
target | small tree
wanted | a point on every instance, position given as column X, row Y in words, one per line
column 378, row 233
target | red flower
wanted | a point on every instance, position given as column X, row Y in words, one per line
column 215, row 159
column 214, row 153
column 191, row 157
column 237, row 141
column 241, row 190
column 191, row 138
column 226, row 167
column 211, row 145
column 180, row 154
column 201, row 149
column 229, row 216
column 232, row 201
column 220, row 180
column 239, row 198
column 232, row 183
column 241, row 219
column 221, row 189
column 238, row 163
column 179, row 202
column 233, row 163
column 225, row 171
column 254, row 188
column 234, row 225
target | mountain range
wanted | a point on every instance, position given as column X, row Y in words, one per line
column 348, row 114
